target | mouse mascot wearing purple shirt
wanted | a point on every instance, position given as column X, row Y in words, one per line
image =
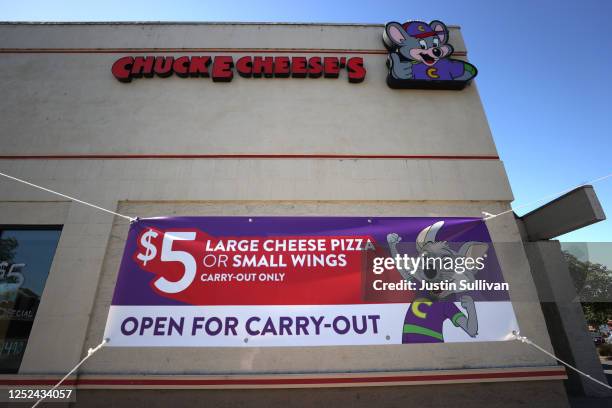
column 428, row 311
column 419, row 57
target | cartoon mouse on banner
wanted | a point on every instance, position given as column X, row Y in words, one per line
column 419, row 57
column 426, row 315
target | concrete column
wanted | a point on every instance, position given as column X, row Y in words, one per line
column 564, row 317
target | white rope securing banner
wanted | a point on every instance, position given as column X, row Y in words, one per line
column 525, row 340
column 488, row 216
column 131, row 219
column 90, row 353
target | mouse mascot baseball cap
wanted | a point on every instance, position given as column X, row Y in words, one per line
column 418, row 29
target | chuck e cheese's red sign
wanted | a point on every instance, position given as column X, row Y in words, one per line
column 221, row 68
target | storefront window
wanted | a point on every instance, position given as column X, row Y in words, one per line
column 25, row 261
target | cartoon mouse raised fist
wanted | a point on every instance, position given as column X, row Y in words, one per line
column 425, row 317
column 419, row 57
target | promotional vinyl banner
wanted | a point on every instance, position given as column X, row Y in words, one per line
column 308, row 281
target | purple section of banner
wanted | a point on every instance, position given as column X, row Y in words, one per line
column 133, row 284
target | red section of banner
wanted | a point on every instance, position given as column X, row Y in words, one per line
column 199, row 269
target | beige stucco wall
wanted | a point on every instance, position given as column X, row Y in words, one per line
column 69, row 103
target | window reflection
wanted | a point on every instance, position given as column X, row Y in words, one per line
column 25, row 261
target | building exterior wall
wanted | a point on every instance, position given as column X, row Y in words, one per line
column 60, row 99
column 48, row 97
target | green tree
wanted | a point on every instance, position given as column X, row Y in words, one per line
column 593, row 284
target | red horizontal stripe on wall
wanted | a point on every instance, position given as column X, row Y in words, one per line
column 195, row 50
column 242, row 156
column 292, row 381
column 313, row 381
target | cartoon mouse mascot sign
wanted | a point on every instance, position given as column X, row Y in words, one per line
column 419, row 57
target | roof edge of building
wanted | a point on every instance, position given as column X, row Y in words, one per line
column 192, row 23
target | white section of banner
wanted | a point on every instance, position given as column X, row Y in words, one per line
column 274, row 326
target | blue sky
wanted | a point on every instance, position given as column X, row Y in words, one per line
column 545, row 70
